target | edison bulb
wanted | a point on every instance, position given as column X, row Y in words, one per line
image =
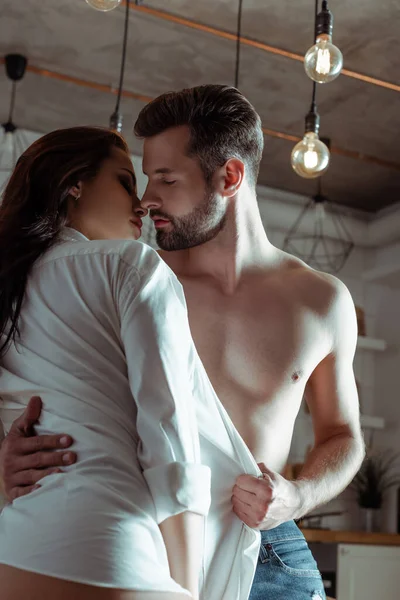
column 104, row 5
column 323, row 61
column 310, row 157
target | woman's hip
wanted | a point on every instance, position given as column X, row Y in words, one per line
column 84, row 535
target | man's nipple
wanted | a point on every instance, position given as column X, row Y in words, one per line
column 296, row 376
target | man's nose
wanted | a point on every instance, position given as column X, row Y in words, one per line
column 150, row 201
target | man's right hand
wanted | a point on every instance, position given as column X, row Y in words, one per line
column 25, row 458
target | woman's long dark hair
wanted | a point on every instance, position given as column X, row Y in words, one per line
column 35, row 204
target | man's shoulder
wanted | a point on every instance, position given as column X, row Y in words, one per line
column 326, row 284
column 321, row 290
column 326, row 298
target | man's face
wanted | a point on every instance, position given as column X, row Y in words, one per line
column 186, row 210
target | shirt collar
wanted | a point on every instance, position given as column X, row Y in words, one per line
column 68, row 234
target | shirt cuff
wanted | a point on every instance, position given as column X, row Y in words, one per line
column 179, row 487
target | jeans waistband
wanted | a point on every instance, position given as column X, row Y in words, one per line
column 286, row 531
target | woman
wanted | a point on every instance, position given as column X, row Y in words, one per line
column 99, row 330
column 90, row 326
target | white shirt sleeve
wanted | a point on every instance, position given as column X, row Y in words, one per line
column 159, row 353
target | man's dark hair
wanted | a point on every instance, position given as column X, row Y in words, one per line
column 223, row 124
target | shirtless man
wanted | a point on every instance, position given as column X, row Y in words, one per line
column 266, row 326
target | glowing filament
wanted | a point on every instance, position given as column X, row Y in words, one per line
column 310, row 159
column 323, row 65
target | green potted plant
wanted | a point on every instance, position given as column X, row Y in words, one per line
column 378, row 473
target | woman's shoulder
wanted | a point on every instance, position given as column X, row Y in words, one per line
column 129, row 252
column 98, row 264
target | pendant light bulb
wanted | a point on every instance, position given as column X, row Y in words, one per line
column 323, row 62
column 104, row 5
column 310, row 157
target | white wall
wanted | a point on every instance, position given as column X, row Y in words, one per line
column 387, row 384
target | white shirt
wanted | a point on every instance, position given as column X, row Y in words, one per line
column 106, row 343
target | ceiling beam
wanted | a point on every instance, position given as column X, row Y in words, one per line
column 161, row 14
column 109, row 89
column 100, row 87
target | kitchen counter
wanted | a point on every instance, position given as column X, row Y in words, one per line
column 328, row 536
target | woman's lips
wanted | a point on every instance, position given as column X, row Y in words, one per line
column 138, row 223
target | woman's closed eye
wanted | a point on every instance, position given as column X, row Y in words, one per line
column 167, row 182
column 127, row 185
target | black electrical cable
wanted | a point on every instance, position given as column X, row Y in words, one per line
column 124, row 44
column 238, row 39
column 315, row 20
column 12, row 103
column 314, row 91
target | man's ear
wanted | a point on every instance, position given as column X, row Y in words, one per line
column 230, row 177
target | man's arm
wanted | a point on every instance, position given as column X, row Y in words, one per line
column 339, row 448
column 333, row 402
column 26, row 458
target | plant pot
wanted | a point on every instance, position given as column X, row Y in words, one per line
column 371, row 519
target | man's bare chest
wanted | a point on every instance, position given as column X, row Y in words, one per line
column 254, row 342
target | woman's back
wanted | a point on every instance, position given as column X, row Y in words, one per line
column 71, row 350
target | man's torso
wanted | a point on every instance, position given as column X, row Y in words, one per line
column 259, row 345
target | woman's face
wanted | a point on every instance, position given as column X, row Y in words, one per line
column 107, row 206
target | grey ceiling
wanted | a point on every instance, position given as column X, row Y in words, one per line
column 69, row 38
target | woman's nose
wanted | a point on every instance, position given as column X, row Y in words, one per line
column 140, row 211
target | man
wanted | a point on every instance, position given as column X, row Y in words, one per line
column 266, row 327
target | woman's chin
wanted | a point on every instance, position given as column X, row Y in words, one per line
column 135, row 231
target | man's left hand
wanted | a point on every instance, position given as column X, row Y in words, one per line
column 266, row 502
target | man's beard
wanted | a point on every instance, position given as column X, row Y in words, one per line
column 198, row 227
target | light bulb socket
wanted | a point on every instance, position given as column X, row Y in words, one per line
column 116, row 120
column 312, row 121
column 15, row 66
column 319, row 199
column 324, row 23
column 9, row 127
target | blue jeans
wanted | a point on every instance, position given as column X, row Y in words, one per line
column 286, row 569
